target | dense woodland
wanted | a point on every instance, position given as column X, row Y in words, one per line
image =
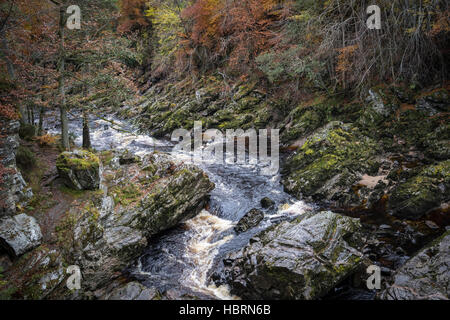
column 288, row 46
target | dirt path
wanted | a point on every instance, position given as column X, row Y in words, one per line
column 50, row 202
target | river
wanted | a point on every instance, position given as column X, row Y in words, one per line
column 179, row 262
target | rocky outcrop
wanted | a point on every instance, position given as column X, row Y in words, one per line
column 250, row 220
column 13, row 189
column 132, row 291
column 302, row 259
column 36, row 275
column 391, row 158
column 103, row 235
column 426, row 276
column 330, row 162
column 19, row 234
column 423, row 192
column 79, row 169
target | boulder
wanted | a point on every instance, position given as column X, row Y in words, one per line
column 80, row 169
column 267, row 203
column 128, row 158
column 421, row 193
column 250, row 220
column 426, row 276
column 302, row 259
column 19, row 234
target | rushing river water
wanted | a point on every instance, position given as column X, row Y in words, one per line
column 179, row 261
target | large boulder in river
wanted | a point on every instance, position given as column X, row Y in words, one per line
column 426, row 276
column 106, row 233
column 250, row 220
column 19, row 234
column 79, row 169
column 302, row 259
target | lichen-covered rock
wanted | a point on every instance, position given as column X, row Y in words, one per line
column 80, row 169
column 35, row 275
column 250, row 220
column 330, row 162
column 19, row 234
column 104, row 234
column 302, row 259
column 426, row 276
column 380, row 105
column 167, row 108
column 421, row 193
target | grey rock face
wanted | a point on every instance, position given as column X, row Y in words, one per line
column 19, row 234
column 250, row 220
column 426, row 276
column 80, row 170
column 12, row 190
column 302, row 259
column 132, row 291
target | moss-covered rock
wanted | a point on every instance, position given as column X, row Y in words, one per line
column 80, row 169
column 330, row 162
column 34, row 276
column 303, row 259
column 421, row 193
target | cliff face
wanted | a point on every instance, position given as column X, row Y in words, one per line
column 13, row 190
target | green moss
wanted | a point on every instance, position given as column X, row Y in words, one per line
column 25, row 158
column 72, row 192
column 422, row 192
column 126, row 195
column 27, row 131
column 335, row 149
column 82, row 161
column 106, row 157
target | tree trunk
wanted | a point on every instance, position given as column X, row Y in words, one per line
column 41, row 120
column 62, row 107
column 86, row 133
column 5, row 49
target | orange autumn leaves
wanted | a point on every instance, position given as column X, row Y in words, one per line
column 233, row 32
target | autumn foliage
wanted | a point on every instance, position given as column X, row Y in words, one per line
column 132, row 15
column 231, row 33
